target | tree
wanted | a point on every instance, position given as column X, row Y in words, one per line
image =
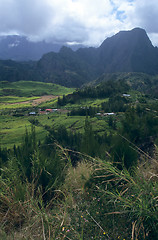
column 89, row 144
column 123, row 154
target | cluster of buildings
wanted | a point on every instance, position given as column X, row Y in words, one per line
column 46, row 111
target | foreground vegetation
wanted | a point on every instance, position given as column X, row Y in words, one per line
column 45, row 194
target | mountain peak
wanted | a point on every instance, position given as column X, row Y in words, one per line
column 130, row 35
column 134, row 30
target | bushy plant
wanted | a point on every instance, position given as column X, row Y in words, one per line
column 95, row 199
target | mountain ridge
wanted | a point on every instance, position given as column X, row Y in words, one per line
column 126, row 51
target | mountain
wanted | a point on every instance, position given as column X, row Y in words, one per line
column 127, row 51
column 65, row 68
column 19, row 48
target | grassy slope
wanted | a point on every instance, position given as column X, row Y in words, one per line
column 13, row 129
column 29, row 88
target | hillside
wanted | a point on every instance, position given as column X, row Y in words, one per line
column 29, row 89
column 128, row 51
column 142, row 82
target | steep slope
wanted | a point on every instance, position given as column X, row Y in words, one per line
column 128, row 51
column 12, row 71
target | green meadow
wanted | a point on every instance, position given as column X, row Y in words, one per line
column 87, row 102
column 12, row 130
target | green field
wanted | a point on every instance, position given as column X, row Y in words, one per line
column 13, row 128
column 87, row 103
column 14, row 99
column 21, row 94
column 78, row 166
column 29, row 89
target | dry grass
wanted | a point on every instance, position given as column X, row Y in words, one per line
column 95, row 202
column 78, row 176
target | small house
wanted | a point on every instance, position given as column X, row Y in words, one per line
column 109, row 114
column 49, row 110
column 32, row 113
column 126, row 95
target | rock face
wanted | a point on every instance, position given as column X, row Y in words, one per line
column 127, row 51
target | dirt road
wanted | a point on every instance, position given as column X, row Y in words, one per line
column 36, row 102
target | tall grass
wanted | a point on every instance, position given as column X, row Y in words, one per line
column 95, row 200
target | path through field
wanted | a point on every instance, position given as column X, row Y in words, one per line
column 36, row 102
column 43, row 99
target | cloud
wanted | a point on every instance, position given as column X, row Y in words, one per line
column 25, row 17
column 143, row 13
column 83, row 21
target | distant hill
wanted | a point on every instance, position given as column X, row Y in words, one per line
column 127, row 51
column 19, row 48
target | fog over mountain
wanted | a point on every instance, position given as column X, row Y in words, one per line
column 19, row 48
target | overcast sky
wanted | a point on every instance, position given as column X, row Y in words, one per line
column 77, row 21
